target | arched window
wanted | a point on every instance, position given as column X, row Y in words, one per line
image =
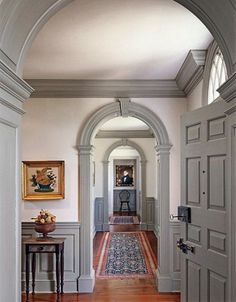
column 218, row 75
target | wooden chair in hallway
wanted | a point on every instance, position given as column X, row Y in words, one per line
column 124, row 199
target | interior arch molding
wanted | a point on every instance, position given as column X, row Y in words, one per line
column 14, row 54
column 85, row 148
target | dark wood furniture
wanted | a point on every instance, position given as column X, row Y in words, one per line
column 124, row 196
column 45, row 245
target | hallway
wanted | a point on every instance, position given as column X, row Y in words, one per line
column 116, row 290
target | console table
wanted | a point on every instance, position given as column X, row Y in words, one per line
column 44, row 245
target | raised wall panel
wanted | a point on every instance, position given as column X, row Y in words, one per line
column 217, row 288
column 216, row 128
column 194, row 233
column 194, row 277
column 99, row 213
column 150, row 201
column 217, row 241
column 216, row 182
column 176, row 253
column 193, row 181
column 193, row 134
column 47, row 261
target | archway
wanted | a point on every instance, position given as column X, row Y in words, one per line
column 124, row 142
column 123, row 107
column 43, row 11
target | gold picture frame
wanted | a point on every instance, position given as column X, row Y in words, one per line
column 43, row 180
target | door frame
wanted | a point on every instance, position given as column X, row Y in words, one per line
column 123, row 107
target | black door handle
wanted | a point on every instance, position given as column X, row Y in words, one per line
column 184, row 247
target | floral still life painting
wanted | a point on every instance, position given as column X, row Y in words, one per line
column 43, row 180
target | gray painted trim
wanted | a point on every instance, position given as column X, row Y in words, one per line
column 124, row 134
column 228, row 89
column 53, row 88
column 191, row 72
column 7, row 60
column 103, row 114
column 202, row 14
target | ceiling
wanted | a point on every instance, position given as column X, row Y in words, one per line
column 110, row 39
column 124, row 123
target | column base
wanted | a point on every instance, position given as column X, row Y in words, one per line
column 163, row 282
column 86, row 283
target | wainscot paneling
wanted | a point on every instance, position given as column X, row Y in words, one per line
column 99, row 214
column 45, row 269
column 175, row 255
column 150, row 201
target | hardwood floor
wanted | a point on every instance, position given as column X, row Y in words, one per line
column 115, row 290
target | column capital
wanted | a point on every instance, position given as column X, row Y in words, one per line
column 105, row 162
column 163, row 149
column 86, row 149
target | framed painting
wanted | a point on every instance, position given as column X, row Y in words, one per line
column 124, row 176
column 43, row 180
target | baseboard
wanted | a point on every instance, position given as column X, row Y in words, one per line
column 164, row 283
column 105, row 227
column 49, row 286
column 86, row 283
column 143, row 226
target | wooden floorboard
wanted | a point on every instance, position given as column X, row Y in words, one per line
column 115, row 290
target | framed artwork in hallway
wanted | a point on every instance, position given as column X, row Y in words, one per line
column 124, row 176
column 42, row 180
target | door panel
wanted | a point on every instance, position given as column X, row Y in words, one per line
column 204, row 170
column 194, row 277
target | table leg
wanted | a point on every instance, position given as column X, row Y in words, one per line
column 33, row 271
column 27, row 274
column 57, row 271
column 62, row 269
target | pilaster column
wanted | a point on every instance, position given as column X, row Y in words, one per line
column 143, row 195
column 13, row 92
column 87, row 275
column 163, row 271
column 106, row 197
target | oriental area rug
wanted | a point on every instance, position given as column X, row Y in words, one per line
column 124, row 220
column 126, row 255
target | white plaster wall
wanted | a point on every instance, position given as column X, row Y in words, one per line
column 50, row 129
column 50, row 132
column 195, row 98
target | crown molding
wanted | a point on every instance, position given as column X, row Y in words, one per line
column 191, row 72
column 13, row 85
column 124, row 134
column 7, row 60
column 228, row 89
column 59, row 88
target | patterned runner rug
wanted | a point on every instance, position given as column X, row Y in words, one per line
column 124, row 220
column 126, row 255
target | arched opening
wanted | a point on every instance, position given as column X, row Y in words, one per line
column 140, row 187
column 45, row 13
column 85, row 160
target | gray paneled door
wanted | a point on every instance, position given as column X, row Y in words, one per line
column 204, row 179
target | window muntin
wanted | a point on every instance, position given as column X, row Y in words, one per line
column 218, row 76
